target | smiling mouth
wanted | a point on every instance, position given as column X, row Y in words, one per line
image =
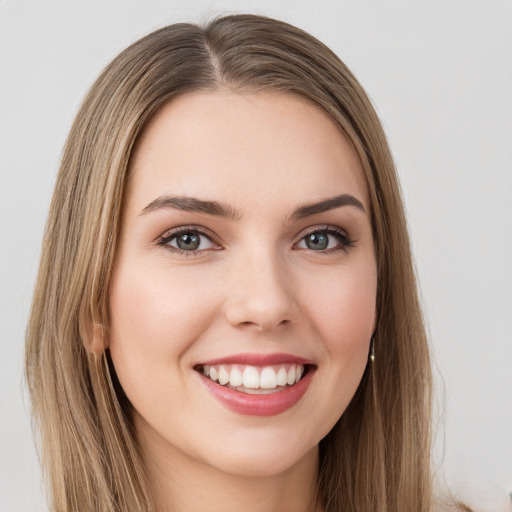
column 255, row 379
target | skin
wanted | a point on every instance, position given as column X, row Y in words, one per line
column 256, row 288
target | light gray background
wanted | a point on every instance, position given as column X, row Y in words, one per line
column 440, row 74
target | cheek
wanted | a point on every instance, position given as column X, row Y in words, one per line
column 156, row 315
column 342, row 312
column 342, row 307
column 156, row 306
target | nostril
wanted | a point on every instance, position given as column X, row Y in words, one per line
column 263, row 324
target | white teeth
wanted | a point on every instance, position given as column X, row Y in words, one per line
column 223, row 376
column 268, row 378
column 235, row 377
column 282, row 377
column 254, row 378
column 291, row 376
column 251, row 378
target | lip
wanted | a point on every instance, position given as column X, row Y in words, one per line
column 258, row 405
column 258, row 359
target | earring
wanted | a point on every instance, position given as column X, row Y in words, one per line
column 372, row 349
column 101, row 326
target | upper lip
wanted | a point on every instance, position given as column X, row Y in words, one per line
column 258, row 359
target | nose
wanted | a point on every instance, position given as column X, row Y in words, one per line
column 261, row 294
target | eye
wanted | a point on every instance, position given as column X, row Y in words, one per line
column 325, row 240
column 188, row 240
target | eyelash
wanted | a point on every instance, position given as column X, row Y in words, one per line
column 343, row 238
column 169, row 236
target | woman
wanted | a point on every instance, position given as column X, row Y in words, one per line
column 226, row 312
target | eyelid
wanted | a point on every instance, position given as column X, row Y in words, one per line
column 346, row 243
column 322, row 227
column 164, row 239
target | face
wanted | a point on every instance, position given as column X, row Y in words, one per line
column 243, row 294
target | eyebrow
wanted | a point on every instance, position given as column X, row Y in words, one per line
column 193, row 204
column 326, row 205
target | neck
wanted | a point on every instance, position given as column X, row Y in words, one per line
column 180, row 483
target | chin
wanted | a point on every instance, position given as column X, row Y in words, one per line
column 263, row 452
column 262, row 463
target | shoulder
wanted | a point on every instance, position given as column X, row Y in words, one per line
column 474, row 499
column 454, row 506
column 460, row 488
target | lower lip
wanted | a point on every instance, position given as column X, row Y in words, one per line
column 259, row 405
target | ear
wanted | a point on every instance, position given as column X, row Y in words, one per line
column 374, row 323
column 99, row 339
column 95, row 336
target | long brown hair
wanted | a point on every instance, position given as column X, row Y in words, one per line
column 377, row 457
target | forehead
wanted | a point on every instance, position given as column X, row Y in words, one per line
column 244, row 147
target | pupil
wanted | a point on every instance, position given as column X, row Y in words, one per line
column 317, row 241
column 188, row 242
